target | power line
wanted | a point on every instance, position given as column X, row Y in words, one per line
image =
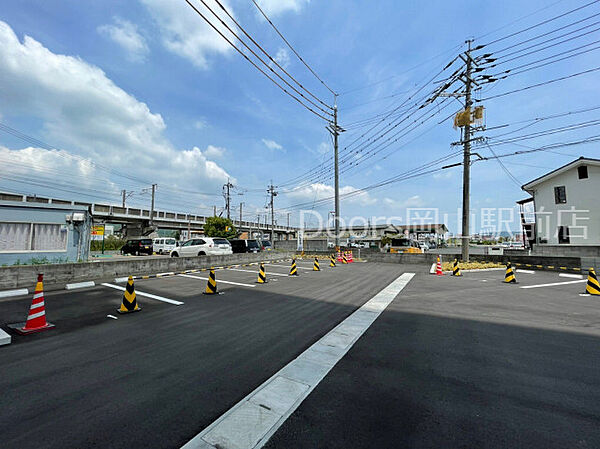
column 252, row 62
column 264, row 52
column 595, row 69
column 293, row 49
column 539, row 24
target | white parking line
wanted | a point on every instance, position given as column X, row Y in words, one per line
column 269, row 273
column 148, row 295
column 289, row 266
column 520, row 270
column 568, row 275
column 9, row 293
column 80, row 285
column 219, row 281
column 253, row 420
column 554, row 283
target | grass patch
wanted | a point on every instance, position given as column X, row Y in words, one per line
column 447, row 266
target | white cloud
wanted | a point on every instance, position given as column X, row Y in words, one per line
column 201, row 123
column 214, row 152
column 186, row 34
column 271, row 144
column 320, row 191
column 84, row 111
column 126, row 35
column 276, row 7
column 282, row 57
column 413, row 201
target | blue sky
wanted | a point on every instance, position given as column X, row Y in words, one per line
column 148, row 93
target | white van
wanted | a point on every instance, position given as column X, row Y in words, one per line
column 164, row 245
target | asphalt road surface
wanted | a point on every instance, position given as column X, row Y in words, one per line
column 156, row 378
column 466, row 362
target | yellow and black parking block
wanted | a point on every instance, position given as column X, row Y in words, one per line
column 294, row 268
column 262, row 276
column 211, row 284
column 316, row 266
column 456, row 269
column 332, row 261
column 129, row 303
column 592, row 287
column 509, row 276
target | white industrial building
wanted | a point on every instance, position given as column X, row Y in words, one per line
column 566, row 203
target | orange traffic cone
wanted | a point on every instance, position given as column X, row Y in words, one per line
column 438, row 267
column 36, row 320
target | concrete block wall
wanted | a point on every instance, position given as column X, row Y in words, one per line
column 57, row 275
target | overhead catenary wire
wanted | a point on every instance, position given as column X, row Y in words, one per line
column 293, row 49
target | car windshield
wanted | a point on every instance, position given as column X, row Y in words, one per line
column 266, row 243
column 252, row 244
column 146, row 242
column 169, row 241
column 221, row 241
column 400, row 242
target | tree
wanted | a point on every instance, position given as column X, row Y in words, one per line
column 220, row 227
column 386, row 240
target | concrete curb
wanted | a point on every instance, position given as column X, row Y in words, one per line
column 5, row 339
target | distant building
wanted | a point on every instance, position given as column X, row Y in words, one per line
column 566, row 205
column 374, row 233
column 35, row 228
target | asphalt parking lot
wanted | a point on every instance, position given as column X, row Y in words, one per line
column 451, row 362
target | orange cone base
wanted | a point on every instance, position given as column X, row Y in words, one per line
column 123, row 312
column 20, row 328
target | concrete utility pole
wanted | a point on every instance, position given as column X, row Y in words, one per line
column 288, row 220
column 227, row 194
column 152, row 208
column 335, row 130
column 273, row 193
column 241, row 205
column 123, row 192
column 214, row 211
column 467, row 161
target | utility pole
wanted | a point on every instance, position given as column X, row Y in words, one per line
column 467, row 161
column 214, row 211
column 241, row 205
column 273, row 193
column 288, row 220
column 335, row 130
column 123, row 192
column 227, row 194
column 152, row 208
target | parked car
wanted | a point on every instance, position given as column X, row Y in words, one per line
column 404, row 245
column 244, row 246
column 424, row 246
column 266, row 245
column 205, row 246
column 164, row 245
column 137, row 247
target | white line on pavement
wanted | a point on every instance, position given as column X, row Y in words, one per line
column 80, row 285
column 9, row 293
column 289, row 266
column 520, row 270
column 554, row 283
column 148, row 295
column 269, row 273
column 568, row 275
column 219, row 281
column 252, row 421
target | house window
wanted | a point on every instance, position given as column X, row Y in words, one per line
column 582, row 172
column 563, row 234
column 560, row 195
